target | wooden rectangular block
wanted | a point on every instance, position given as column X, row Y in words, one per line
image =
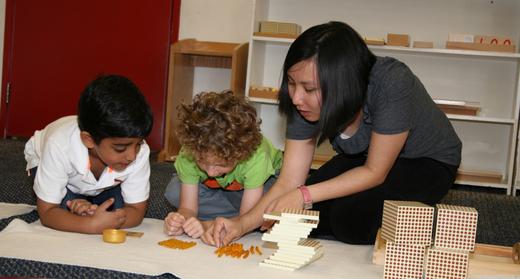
column 466, row 38
column 442, row 263
column 480, row 47
column 404, row 261
column 407, row 222
column 497, row 40
column 456, row 227
column 375, row 41
column 398, row 40
column 280, row 28
column 263, row 92
column 422, row 44
column 268, row 27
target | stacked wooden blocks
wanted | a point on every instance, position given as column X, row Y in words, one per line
column 290, row 233
column 455, row 235
column 408, row 226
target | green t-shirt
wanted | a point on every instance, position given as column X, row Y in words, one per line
column 252, row 173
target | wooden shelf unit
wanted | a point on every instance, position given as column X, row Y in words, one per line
column 185, row 55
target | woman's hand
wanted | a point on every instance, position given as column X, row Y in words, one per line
column 292, row 199
column 223, row 231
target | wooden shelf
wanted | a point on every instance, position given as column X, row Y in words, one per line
column 487, row 80
column 444, row 51
column 185, row 55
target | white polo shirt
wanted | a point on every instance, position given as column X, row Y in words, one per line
column 63, row 162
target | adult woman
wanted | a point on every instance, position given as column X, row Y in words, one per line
column 391, row 139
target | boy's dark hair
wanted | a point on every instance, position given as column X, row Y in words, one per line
column 113, row 106
column 343, row 64
column 221, row 124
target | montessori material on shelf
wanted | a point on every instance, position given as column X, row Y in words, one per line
column 480, row 42
column 278, row 29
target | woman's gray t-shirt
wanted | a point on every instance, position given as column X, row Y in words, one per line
column 396, row 102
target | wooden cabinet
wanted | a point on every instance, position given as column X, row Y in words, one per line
column 185, row 55
column 489, row 79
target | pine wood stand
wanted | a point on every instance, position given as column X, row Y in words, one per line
column 185, row 55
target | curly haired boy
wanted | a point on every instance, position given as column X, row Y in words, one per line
column 225, row 164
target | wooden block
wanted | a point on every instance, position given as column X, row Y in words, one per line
column 290, row 235
column 480, row 176
column 288, row 28
column 422, row 44
column 480, row 47
column 301, row 213
column 456, row 227
column 466, row 38
column 471, row 110
column 481, row 39
column 398, row 40
column 407, row 222
column 263, row 92
column 277, row 266
column 268, row 27
column 282, row 263
column 486, row 260
column 301, row 230
column 446, row 264
column 297, row 254
column 404, row 261
column 280, row 28
column 457, row 107
column 375, row 41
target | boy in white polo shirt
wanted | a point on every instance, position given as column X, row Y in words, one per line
column 91, row 171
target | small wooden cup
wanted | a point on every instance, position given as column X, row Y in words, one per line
column 114, row 236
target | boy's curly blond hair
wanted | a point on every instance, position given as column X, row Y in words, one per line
column 221, row 124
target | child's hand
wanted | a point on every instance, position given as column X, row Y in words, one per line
column 81, row 207
column 173, row 224
column 207, row 236
column 193, row 227
column 103, row 219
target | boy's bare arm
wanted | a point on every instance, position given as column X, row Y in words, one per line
column 52, row 216
column 134, row 213
column 189, row 201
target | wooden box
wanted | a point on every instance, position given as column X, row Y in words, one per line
column 398, row 40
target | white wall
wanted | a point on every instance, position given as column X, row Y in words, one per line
column 217, row 21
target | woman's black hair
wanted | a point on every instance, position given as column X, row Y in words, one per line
column 343, row 64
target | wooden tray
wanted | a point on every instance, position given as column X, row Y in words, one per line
column 486, row 260
column 264, row 92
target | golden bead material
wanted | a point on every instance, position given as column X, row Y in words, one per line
column 236, row 250
column 177, row 244
column 114, row 236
